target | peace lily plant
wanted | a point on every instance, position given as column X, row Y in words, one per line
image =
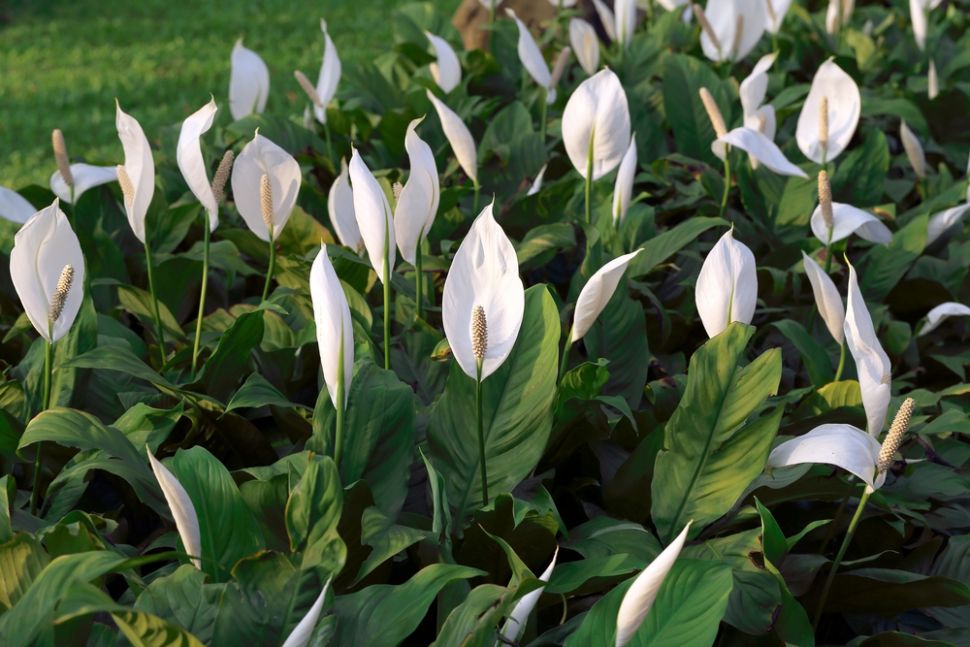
column 248, row 82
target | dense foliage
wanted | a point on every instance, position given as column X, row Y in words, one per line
column 653, row 429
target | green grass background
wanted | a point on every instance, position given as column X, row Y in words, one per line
column 63, row 62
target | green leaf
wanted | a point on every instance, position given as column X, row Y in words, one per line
column 146, row 630
column 315, row 504
column 385, row 538
column 888, row 264
column 21, row 561
column 517, row 407
column 256, row 392
column 228, row 528
column 661, row 247
column 683, row 77
column 816, row 360
column 620, row 335
column 383, row 615
column 184, row 599
column 860, row 178
column 712, row 452
column 532, row 251
column 231, row 358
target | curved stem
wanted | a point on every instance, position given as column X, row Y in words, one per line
column 159, row 331
column 727, row 184
column 418, row 278
column 202, row 291
column 481, row 433
column 838, row 556
column 272, row 264
column 838, row 371
column 387, row 317
column 45, row 404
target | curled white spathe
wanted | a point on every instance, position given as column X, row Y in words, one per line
column 140, row 168
column 943, row 220
column 446, row 70
column 303, row 631
column 596, row 124
column 872, row 363
column 936, row 316
column 625, row 15
column 192, row 164
column 776, row 11
column 827, row 298
column 586, row 44
column 844, row 107
column 531, row 58
column 86, row 176
column 623, row 190
column 642, row 593
column 755, row 86
column 14, row 207
column 537, row 182
column 340, row 208
column 607, row 19
column 841, row 445
column 848, row 220
column 914, row 150
column 248, row 82
column 515, row 623
column 725, row 17
column 459, row 137
column 727, row 286
column 374, row 217
column 43, row 246
column 418, row 203
column 597, row 293
column 335, row 333
column 329, row 78
column 761, row 148
column 484, row 272
column 183, row 512
column 262, row 157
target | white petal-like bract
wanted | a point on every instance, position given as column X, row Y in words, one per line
column 738, row 26
column 340, row 208
column 86, row 176
column 776, row 11
column 607, row 19
column 446, row 70
column 183, row 512
column 936, row 316
column 586, row 44
column 303, row 631
column 530, row 55
column 537, row 183
column 623, row 190
column 262, row 157
column 14, row 207
column 727, row 286
column 596, row 121
column 844, row 102
column 597, row 293
column 192, row 164
column 625, row 16
column 943, row 220
column 841, row 445
column 248, row 82
column 459, row 137
column 872, row 363
column 848, row 220
column 827, row 298
column 515, row 624
column 418, row 203
column 755, row 85
column 374, row 217
column 914, row 150
column 762, row 149
column 140, row 168
column 335, row 332
column 329, row 78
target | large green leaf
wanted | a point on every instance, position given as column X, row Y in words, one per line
column 146, row 630
column 683, row 77
column 517, row 409
column 185, row 599
column 21, row 560
column 312, row 513
column 231, row 359
column 659, row 248
column 711, row 450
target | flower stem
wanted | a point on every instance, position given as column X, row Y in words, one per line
column 564, row 360
column 202, row 291
column 418, row 279
column 838, row 556
column 543, row 111
column 387, row 317
column 478, row 194
column 339, row 430
column 838, row 371
column 272, row 264
column 326, row 134
column 727, row 184
column 45, row 404
column 481, row 432
column 159, row 331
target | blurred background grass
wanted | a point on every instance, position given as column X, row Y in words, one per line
column 63, row 62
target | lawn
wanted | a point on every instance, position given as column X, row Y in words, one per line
column 63, row 63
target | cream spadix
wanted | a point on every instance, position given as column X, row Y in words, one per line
column 85, row 176
column 258, row 158
column 597, row 293
column 248, row 82
column 329, row 77
column 303, row 631
column 484, row 274
column 140, row 169
column 459, row 137
column 834, row 91
column 14, row 207
column 643, row 592
column 515, row 624
column 335, row 333
column 872, row 363
column 727, row 286
column 418, row 203
column 586, row 44
column 937, row 315
column 191, row 163
column 374, row 217
column 596, row 124
column 340, row 208
column 446, row 70
column 183, row 512
column 51, row 295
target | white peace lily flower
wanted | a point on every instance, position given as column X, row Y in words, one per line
column 340, row 208
column 737, row 25
column 446, row 71
column 623, row 191
column 607, row 19
column 914, row 150
column 374, row 217
column 586, row 44
column 625, row 15
column 848, row 220
column 303, row 631
column 754, row 88
column 42, row 251
column 417, row 205
column 86, row 176
column 258, row 158
column 329, row 78
column 14, row 207
column 936, row 316
column 335, row 332
column 761, row 148
column 192, row 164
column 459, row 137
column 537, row 183
column 827, row 298
column 840, row 445
column 943, row 220
column 484, row 273
column 872, row 363
column 642, row 593
column 531, row 57
column 597, row 293
column 836, row 89
column 727, row 286
column 776, row 11
column 515, row 624
column 596, row 124
column 140, row 168
column 838, row 14
column 183, row 512
column 248, row 82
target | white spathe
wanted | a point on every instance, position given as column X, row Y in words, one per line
column 827, row 298
column 872, row 363
column 418, row 203
column 776, row 11
column 303, row 631
column 597, row 293
column 374, row 217
column 937, row 315
column 248, row 82
column 738, row 26
column 844, row 108
column 262, row 157
column 943, row 220
column 848, row 220
column 841, row 445
column 531, row 58
column 515, row 623
column 329, row 77
column 586, row 44
column 14, row 207
column 340, row 208
column 458, row 136
column 484, row 272
column 623, row 190
column 86, row 176
column 727, row 286
column 188, row 154
column 596, row 124
column 335, row 332
column 183, row 512
column 446, row 70
column 761, row 148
